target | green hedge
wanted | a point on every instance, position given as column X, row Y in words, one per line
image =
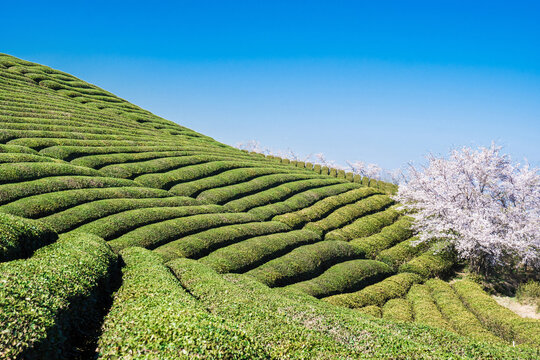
column 131, row 170
column 397, row 310
column 276, row 194
column 99, row 161
column 71, row 218
column 371, row 310
column 116, row 225
column 20, row 172
column 344, row 277
column 224, row 194
column 50, row 300
column 324, row 207
column 402, row 252
column 437, row 261
column 12, row 192
column 252, row 252
column 22, row 157
column 389, row 236
column 168, row 179
column 303, row 263
column 392, row 287
column 424, row 309
column 152, row 316
column 365, row 226
column 154, row 235
column 502, row 321
column 50, row 203
column 230, row 177
column 348, row 213
column 459, row 317
column 16, row 149
column 20, row 237
column 202, row 243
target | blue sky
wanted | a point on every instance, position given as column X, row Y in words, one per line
column 378, row 81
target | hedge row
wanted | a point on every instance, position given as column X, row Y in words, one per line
column 82, row 214
column 424, row 308
column 459, row 317
column 131, row 170
column 20, row 237
column 19, row 172
column 371, row 310
column 242, row 256
column 200, row 244
column 344, row 277
column 22, row 157
column 230, row 177
column 397, row 310
column 41, row 143
column 389, row 236
column 12, row 192
column 168, row 179
column 303, row 263
column 50, row 300
column 299, row 201
column 364, row 226
column 392, row 287
column 348, row 213
column 276, row 194
column 502, row 321
column 50, row 203
column 228, row 193
column 294, row 325
column 323, row 207
column 437, row 261
column 154, row 235
column 99, row 161
column 153, row 316
column 402, row 252
column 16, row 149
column 115, row 225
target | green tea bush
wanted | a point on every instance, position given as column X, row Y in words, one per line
column 152, row 316
column 303, row 263
column 371, row 310
column 71, row 218
column 20, row 172
column 154, row 235
column 500, row 320
column 19, row 237
column 48, row 302
column 364, row 226
column 323, row 207
column 249, row 253
column 402, row 252
column 50, row 203
column 397, row 310
column 12, row 192
column 345, row 277
column 276, row 194
column 459, row 317
column 437, row 261
column 23, row 157
column 424, row 308
column 202, row 243
column 348, row 213
column 299, row 201
column 115, row 225
column 392, row 287
column 389, row 236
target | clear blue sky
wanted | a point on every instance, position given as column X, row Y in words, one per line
column 378, row 81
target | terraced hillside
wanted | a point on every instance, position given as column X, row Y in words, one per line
column 124, row 235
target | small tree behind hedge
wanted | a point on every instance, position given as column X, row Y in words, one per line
column 487, row 206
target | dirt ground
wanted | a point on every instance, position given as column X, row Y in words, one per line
column 523, row 310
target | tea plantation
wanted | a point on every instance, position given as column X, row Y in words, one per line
column 127, row 236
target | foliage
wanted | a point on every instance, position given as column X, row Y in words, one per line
column 488, row 207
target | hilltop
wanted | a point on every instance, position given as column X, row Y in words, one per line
column 125, row 235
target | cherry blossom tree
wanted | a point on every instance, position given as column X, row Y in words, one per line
column 487, row 207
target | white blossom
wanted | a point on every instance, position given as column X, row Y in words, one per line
column 488, row 207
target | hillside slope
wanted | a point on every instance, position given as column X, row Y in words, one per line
column 127, row 233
